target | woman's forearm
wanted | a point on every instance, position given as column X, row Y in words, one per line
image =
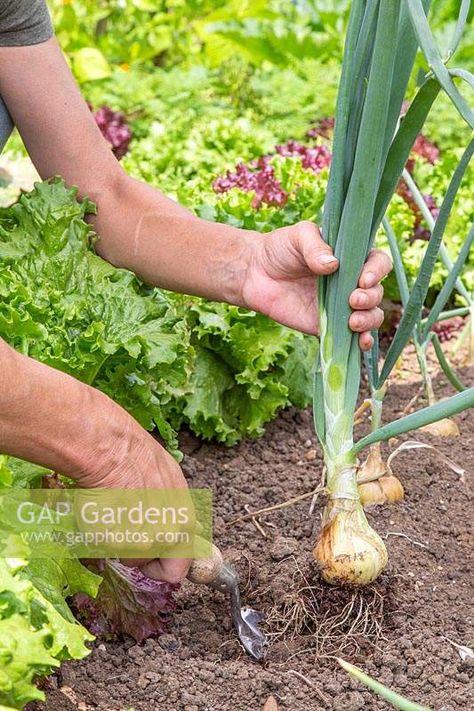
column 166, row 245
column 49, row 418
column 139, row 228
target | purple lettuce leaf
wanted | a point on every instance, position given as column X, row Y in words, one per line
column 115, row 129
column 127, row 603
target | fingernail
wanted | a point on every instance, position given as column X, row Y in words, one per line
column 370, row 279
column 326, row 259
column 362, row 299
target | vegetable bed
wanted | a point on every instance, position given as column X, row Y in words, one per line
column 397, row 629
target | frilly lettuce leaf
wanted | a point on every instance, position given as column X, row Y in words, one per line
column 246, row 369
column 34, row 633
column 63, row 305
column 128, row 602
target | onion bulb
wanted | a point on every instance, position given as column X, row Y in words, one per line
column 442, row 428
column 349, row 551
column 376, row 483
column 385, row 490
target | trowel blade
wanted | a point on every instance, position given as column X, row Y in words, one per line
column 252, row 638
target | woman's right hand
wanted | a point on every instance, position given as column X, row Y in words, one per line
column 136, row 460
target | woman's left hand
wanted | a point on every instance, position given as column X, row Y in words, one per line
column 279, row 281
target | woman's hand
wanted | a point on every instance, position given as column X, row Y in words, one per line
column 279, row 281
column 135, row 460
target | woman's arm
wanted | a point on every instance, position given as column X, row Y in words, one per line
column 162, row 242
column 139, row 227
column 51, row 419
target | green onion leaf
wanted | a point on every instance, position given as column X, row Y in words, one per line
column 445, row 408
column 433, row 57
column 418, row 294
column 448, row 285
column 445, row 367
column 399, row 702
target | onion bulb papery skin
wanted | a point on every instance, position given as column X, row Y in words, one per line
column 374, row 466
column 376, row 483
column 386, row 489
column 349, row 551
column 442, row 428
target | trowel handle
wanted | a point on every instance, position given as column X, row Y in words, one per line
column 205, row 570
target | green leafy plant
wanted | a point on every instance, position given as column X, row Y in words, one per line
column 65, row 306
column 246, row 369
column 37, row 628
column 165, row 32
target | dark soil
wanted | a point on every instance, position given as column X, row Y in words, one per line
column 397, row 630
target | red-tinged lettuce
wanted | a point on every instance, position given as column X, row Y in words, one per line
column 114, row 129
column 260, row 178
column 128, row 602
column 449, row 328
column 315, row 158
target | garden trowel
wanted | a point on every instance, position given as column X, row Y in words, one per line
column 216, row 573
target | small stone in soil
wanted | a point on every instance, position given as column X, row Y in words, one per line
column 354, row 701
column 333, row 687
column 400, row 680
column 168, row 642
column 282, row 548
column 270, row 704
column 142, row 682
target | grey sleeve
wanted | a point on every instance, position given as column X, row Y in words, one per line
column 24, row 22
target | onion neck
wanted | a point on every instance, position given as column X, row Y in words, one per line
column 341, row 480
column 423, row 363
